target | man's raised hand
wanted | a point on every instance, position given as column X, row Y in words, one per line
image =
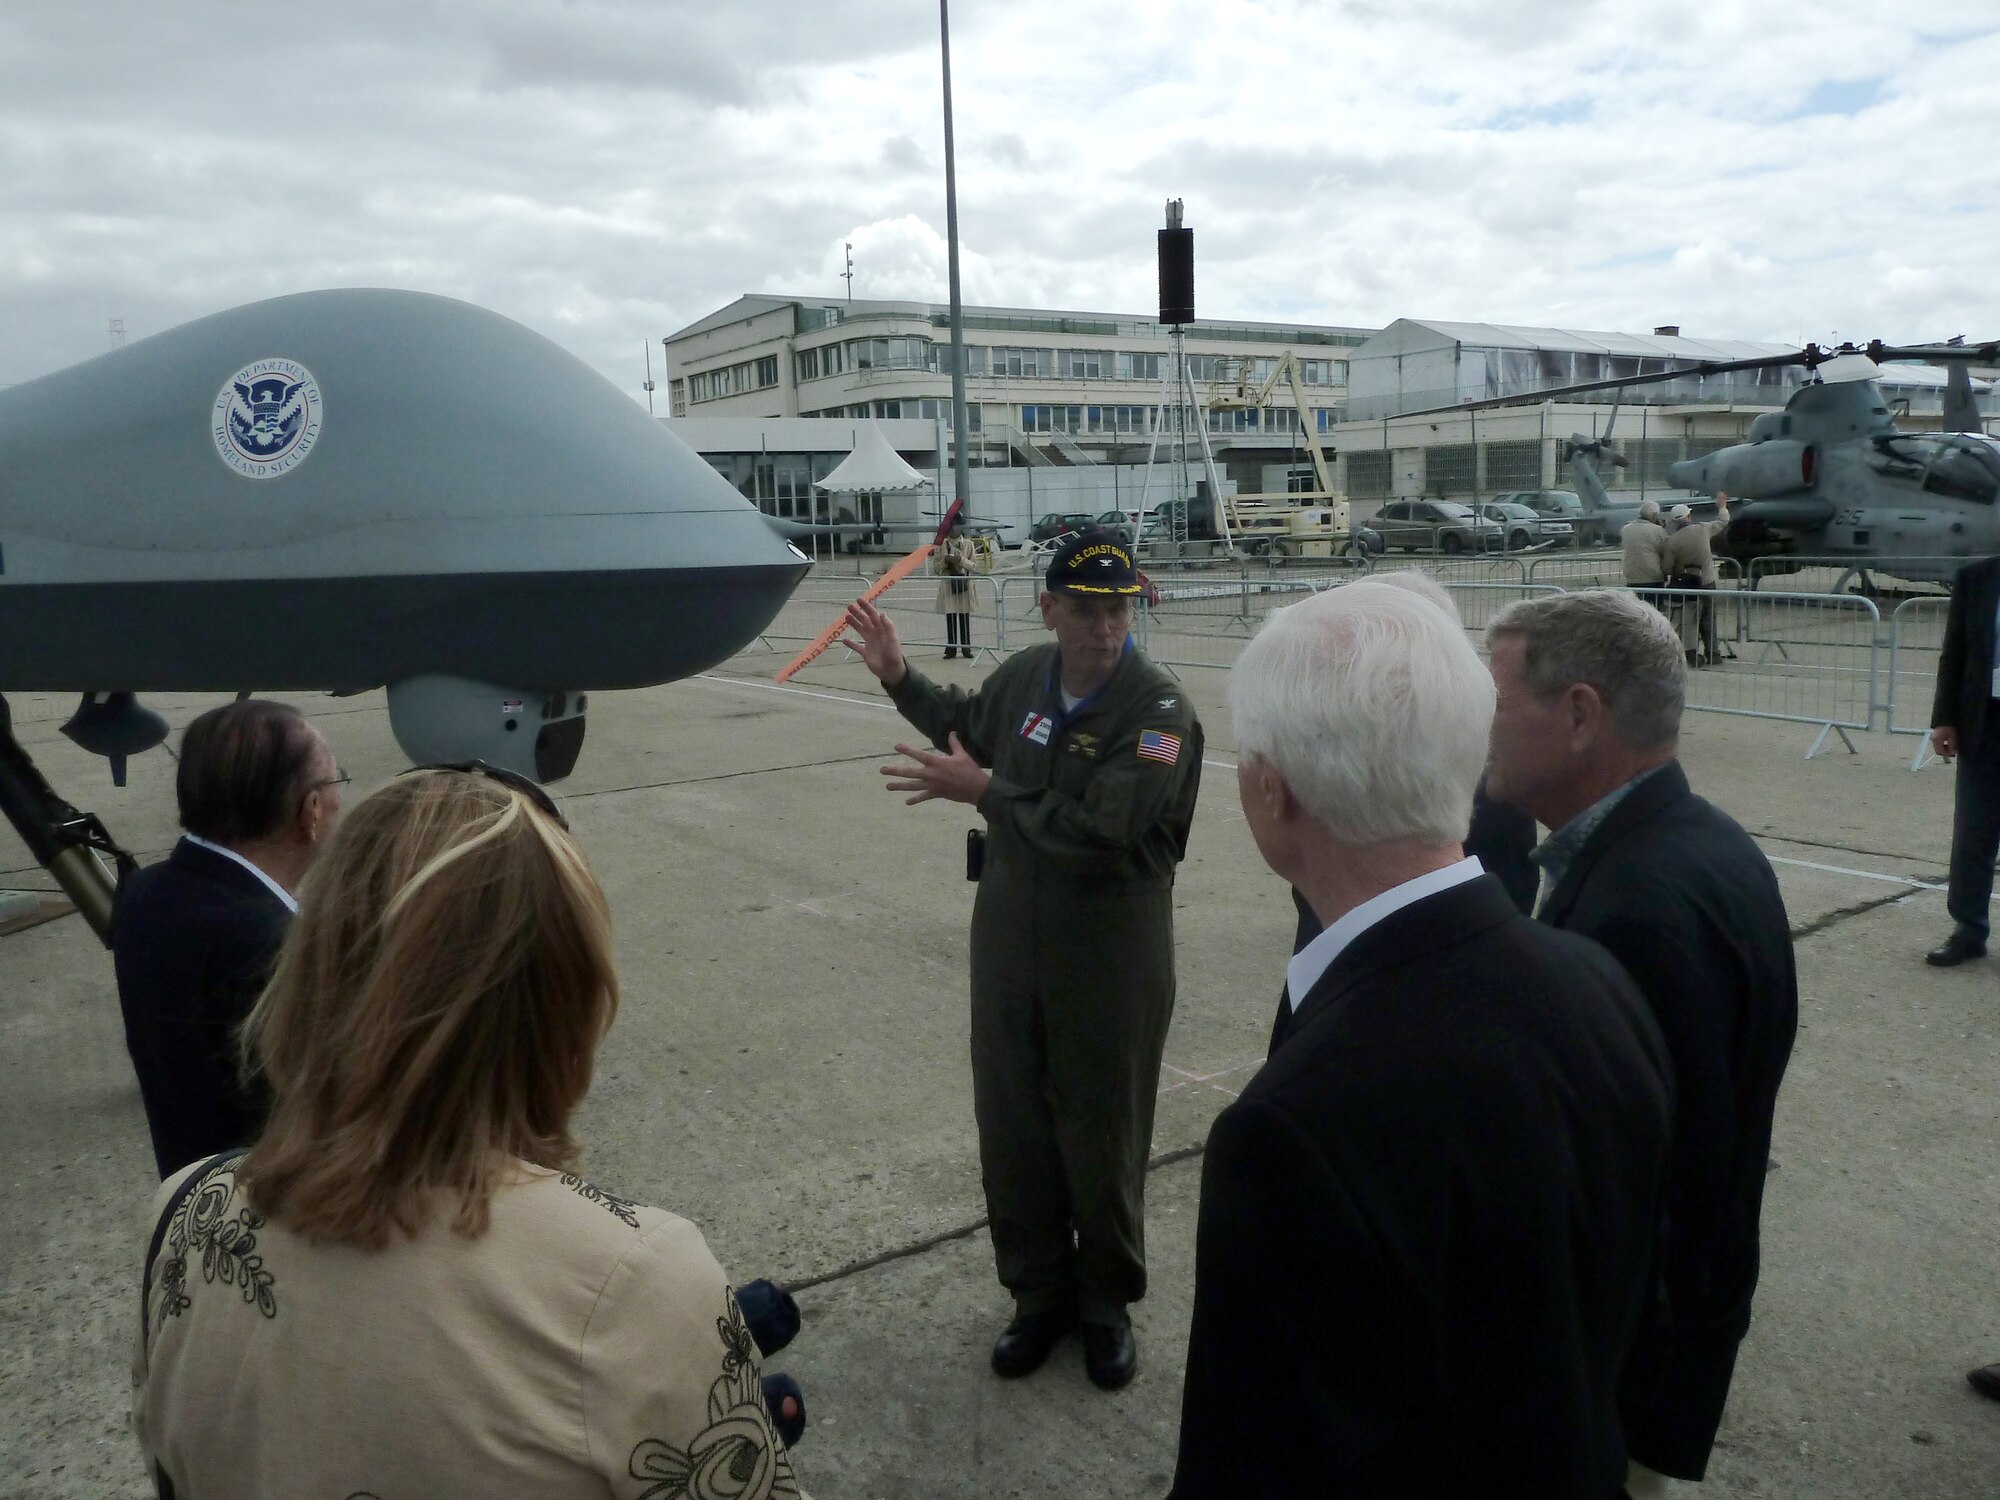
column 879, row 647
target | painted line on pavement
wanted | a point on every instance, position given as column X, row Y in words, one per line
column 1810, row 864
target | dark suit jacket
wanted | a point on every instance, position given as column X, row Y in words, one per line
column 1965, row 666
column 1427, row 1226
column 193, row 938
column 1501, row 838
column 1688, row 904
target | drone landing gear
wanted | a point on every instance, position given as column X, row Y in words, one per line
column 72, row 846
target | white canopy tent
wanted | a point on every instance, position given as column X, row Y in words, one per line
column 873, row 468
column 870, row 471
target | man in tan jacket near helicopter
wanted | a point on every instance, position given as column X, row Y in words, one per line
column 1691, row 565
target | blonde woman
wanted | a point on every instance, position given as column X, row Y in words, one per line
column 402, row 1288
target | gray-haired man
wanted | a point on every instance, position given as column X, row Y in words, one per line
column 1585, row 736
column 1427, row 1225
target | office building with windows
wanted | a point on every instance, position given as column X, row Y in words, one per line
column 1042, row 388
column 1067, row 389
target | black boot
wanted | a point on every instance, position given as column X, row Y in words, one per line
column 1110, row 1354
column 1022, row 1349
column 1964, row 943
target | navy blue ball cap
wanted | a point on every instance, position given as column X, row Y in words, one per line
column 1093, row 562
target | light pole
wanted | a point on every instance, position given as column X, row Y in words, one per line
column 960, row 463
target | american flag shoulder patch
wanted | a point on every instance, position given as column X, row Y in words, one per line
column 1159, row 745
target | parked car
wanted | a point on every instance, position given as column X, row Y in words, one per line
column 1123, row 524
column 1521, row 528
column 1049, row 527
column 1593, row 527
column 1435, row 526
column 1556, row 505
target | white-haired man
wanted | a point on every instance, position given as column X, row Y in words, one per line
column 1585, row 737
column 1427, row 1225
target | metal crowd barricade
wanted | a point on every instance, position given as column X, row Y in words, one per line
column 1579, row 570
column 1478, row 603
column 1204, row 622
column 1606, row 570
column 1806, row 658
column 1454, row 567
column 1916, row 635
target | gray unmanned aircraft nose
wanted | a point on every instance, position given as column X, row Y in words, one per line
column 342, row 490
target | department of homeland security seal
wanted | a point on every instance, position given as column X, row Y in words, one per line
column 267, row 418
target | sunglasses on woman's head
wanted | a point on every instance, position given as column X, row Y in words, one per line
column 526, row 786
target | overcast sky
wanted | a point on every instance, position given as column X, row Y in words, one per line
column 607, row 171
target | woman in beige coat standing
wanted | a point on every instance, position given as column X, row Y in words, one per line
column 955, row 562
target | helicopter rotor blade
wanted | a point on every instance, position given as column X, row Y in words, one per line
column 1810, row 357
column 1952, row 352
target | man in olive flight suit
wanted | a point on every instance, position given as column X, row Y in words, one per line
column 1085, row 759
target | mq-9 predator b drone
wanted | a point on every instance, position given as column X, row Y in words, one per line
column 1831, row 475
column 342, row 490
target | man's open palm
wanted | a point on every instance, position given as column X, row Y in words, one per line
column 880, row 647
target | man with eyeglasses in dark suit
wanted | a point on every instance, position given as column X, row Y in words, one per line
column 194, row 937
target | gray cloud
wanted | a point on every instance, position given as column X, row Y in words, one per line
column 608, row 171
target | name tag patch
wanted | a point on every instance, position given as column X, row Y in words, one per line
column 1037, row 727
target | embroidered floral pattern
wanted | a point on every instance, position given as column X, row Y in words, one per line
column 617, row 1207
column 226, row 1246
column 737, row 1456
column 737, row 1341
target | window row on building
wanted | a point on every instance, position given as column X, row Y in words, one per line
column 1144, row 420
column 734, row 380
column 926, row 408
column 1137, row 421
column 814, row 319
column 1018, row 362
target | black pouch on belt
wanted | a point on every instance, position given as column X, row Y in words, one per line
column 975, row 852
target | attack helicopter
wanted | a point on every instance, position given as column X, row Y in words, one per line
column 1830, row 475
column 343, row 490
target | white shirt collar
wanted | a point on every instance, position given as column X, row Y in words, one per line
column 1310, row 963
column 277, row 890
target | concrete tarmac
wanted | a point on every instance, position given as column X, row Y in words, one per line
column 789, row 1071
